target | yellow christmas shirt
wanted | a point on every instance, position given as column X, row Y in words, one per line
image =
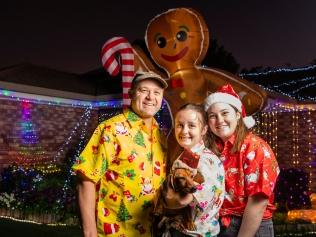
column 127, row 163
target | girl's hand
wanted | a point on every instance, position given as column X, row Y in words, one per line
column 174, row 201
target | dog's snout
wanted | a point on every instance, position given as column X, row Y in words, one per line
column 183, row 181
column 193, row 190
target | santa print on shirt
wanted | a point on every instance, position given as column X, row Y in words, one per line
column 210, row 194
column 127, row 168
column 252, row 170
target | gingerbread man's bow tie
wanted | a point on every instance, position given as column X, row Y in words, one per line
column 177, row 82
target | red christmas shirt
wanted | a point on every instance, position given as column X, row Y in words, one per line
column 251, row 171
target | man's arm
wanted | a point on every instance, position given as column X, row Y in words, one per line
column 253, row 214
column 86, row 199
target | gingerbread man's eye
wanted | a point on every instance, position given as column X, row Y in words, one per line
column 182, row 35
column 161, row 42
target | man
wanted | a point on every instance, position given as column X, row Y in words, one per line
column 123, row 165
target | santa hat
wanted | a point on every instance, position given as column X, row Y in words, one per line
column 187, row 160
column 226, row 94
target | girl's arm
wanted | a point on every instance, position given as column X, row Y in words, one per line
column 252, row 216
column 261, row 171
column 86, row 198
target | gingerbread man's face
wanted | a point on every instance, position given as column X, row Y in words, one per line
column 177, row 39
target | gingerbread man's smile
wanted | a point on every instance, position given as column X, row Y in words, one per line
column 176, row 57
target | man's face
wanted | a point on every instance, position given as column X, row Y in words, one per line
column 147, row 98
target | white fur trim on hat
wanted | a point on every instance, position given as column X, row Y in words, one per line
column 249, row 121
column 219, row 97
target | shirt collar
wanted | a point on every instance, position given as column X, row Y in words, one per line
column 198, row 147
column 135, row 121
column 226, row 145
column 231, row 140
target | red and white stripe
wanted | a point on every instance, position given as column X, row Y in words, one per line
column 119, row 45
column 111, row 175
column 110, row 228
column 157, row 168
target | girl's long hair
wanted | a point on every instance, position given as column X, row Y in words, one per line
column 241, row 132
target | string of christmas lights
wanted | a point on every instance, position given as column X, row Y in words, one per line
column 56, row 101
column 302, row 132
column 310, row 159
column 78, row 149
column 290, row 95
column 29, row 151
column 278, row 70
column 293, row 82
column 84, row 117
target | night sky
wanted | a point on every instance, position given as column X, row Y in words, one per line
column 67, row 35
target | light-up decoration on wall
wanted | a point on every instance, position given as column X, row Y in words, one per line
column 82, row 123
column 35, row 176
column 30, row 150
column 67, row 192
column 267, row 128
column 305, row 215
column 28, row 133
column 310, row 159
column 300, row 115
column 295, row 145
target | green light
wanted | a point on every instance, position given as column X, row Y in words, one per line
column 6, row 93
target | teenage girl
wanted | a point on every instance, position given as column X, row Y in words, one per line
column 190, row 130
column 250, row 166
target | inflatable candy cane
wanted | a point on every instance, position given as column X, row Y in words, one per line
column 119, row 45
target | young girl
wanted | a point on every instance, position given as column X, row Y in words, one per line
column 250, row 167
column 190, row 129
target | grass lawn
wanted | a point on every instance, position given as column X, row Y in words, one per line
column 10, row 228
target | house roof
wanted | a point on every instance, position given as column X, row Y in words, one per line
column 35, row 79
column 298, row 83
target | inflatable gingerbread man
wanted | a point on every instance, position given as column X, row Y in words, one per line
column 178, row 41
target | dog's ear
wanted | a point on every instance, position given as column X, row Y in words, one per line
column 199, row 178
column 158, row 205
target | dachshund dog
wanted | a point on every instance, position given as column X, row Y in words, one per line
column 182, row 181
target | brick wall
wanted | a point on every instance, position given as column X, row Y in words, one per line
column 51, row 126
column 292, row 136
